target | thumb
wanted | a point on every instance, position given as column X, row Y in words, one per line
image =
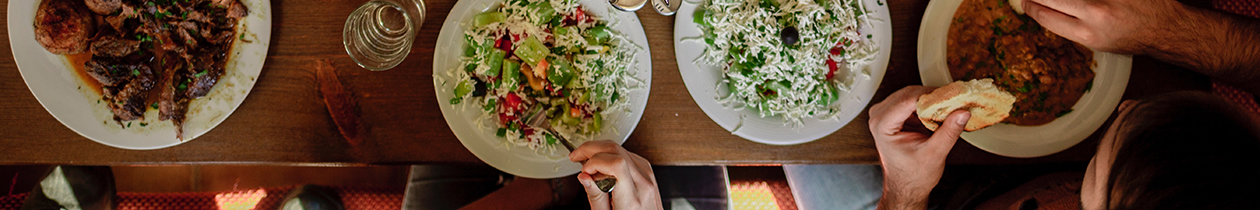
column 950, row 129
column 599, row 199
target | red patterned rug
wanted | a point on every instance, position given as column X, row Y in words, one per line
column 355, row 198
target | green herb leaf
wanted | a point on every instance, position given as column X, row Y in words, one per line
column 202, row 73
column 550, row 139
column 135, row 72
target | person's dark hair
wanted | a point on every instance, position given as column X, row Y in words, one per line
column 1186, row 150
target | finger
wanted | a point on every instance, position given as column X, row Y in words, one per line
column 948, row 133
column 898, row 109
column 1126, row 104
column 1056, row 21
column 599, row 199
column 590, row 148
column 644, row 166
column 606, row 163
column 1074, row 8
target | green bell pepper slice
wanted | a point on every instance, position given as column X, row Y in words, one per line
column 532, row 51
column 484, row 19
column 511, row 74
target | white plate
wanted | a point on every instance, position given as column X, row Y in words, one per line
column 701, row 81
column 1110, row 77
column 494, row 150
column 68, row 99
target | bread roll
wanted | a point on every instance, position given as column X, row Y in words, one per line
column 1018, row 5
column 988, row 104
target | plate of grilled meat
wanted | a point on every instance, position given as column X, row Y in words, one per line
column 140, row 74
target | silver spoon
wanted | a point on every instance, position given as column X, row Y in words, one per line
column 667, row 7
column 627, row 5
column 538, row 119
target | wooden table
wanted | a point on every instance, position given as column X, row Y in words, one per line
column 284, row 121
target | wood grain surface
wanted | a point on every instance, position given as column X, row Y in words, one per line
column 284, row 120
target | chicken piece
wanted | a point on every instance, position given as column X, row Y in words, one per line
column 64, row 26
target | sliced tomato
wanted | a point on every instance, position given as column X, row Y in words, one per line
column 579, row 15
column 503, row 43
column 831, row 68
column 504, row 119
column 511, row 102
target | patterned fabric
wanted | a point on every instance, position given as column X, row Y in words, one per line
column 1250, row 8
column 355, row 198
column 761, row 194
column 13, row 201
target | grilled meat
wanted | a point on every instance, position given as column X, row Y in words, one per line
column 64, row 26
column 177, row 48
column 128, row 102
column 111, row 71
column 109, row 43
column 205, row 74
column 104, row 7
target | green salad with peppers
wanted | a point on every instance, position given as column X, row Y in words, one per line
column 550, row 55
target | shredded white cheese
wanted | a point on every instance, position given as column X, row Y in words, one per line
column 746, row 33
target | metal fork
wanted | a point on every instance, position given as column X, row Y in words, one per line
column 538, row 119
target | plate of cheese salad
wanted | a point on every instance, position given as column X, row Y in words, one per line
column 782, row 72
column 498, row 61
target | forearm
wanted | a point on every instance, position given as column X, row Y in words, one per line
column 893, row 202
column 1222, row 46
column 898, row 196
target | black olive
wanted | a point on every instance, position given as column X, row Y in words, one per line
column 789, row 35
column 479, row 87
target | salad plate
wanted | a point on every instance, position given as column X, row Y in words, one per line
column 705, row 82
column 476, row 120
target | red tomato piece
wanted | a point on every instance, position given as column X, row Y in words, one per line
column 831, row 68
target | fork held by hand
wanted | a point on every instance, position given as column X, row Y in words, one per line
column 537, row 119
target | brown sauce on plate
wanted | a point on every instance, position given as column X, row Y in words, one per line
column 76, row 62
column 1046, row 73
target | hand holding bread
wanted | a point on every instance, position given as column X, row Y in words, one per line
column 987, row 103
column 913, row 159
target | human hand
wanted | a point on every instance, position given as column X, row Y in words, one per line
column 1122, row 26
column 913, row 160
column 635, row 187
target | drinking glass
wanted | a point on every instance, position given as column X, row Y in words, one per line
column 379, row 34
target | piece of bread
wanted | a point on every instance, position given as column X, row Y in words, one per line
column 988, row 104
